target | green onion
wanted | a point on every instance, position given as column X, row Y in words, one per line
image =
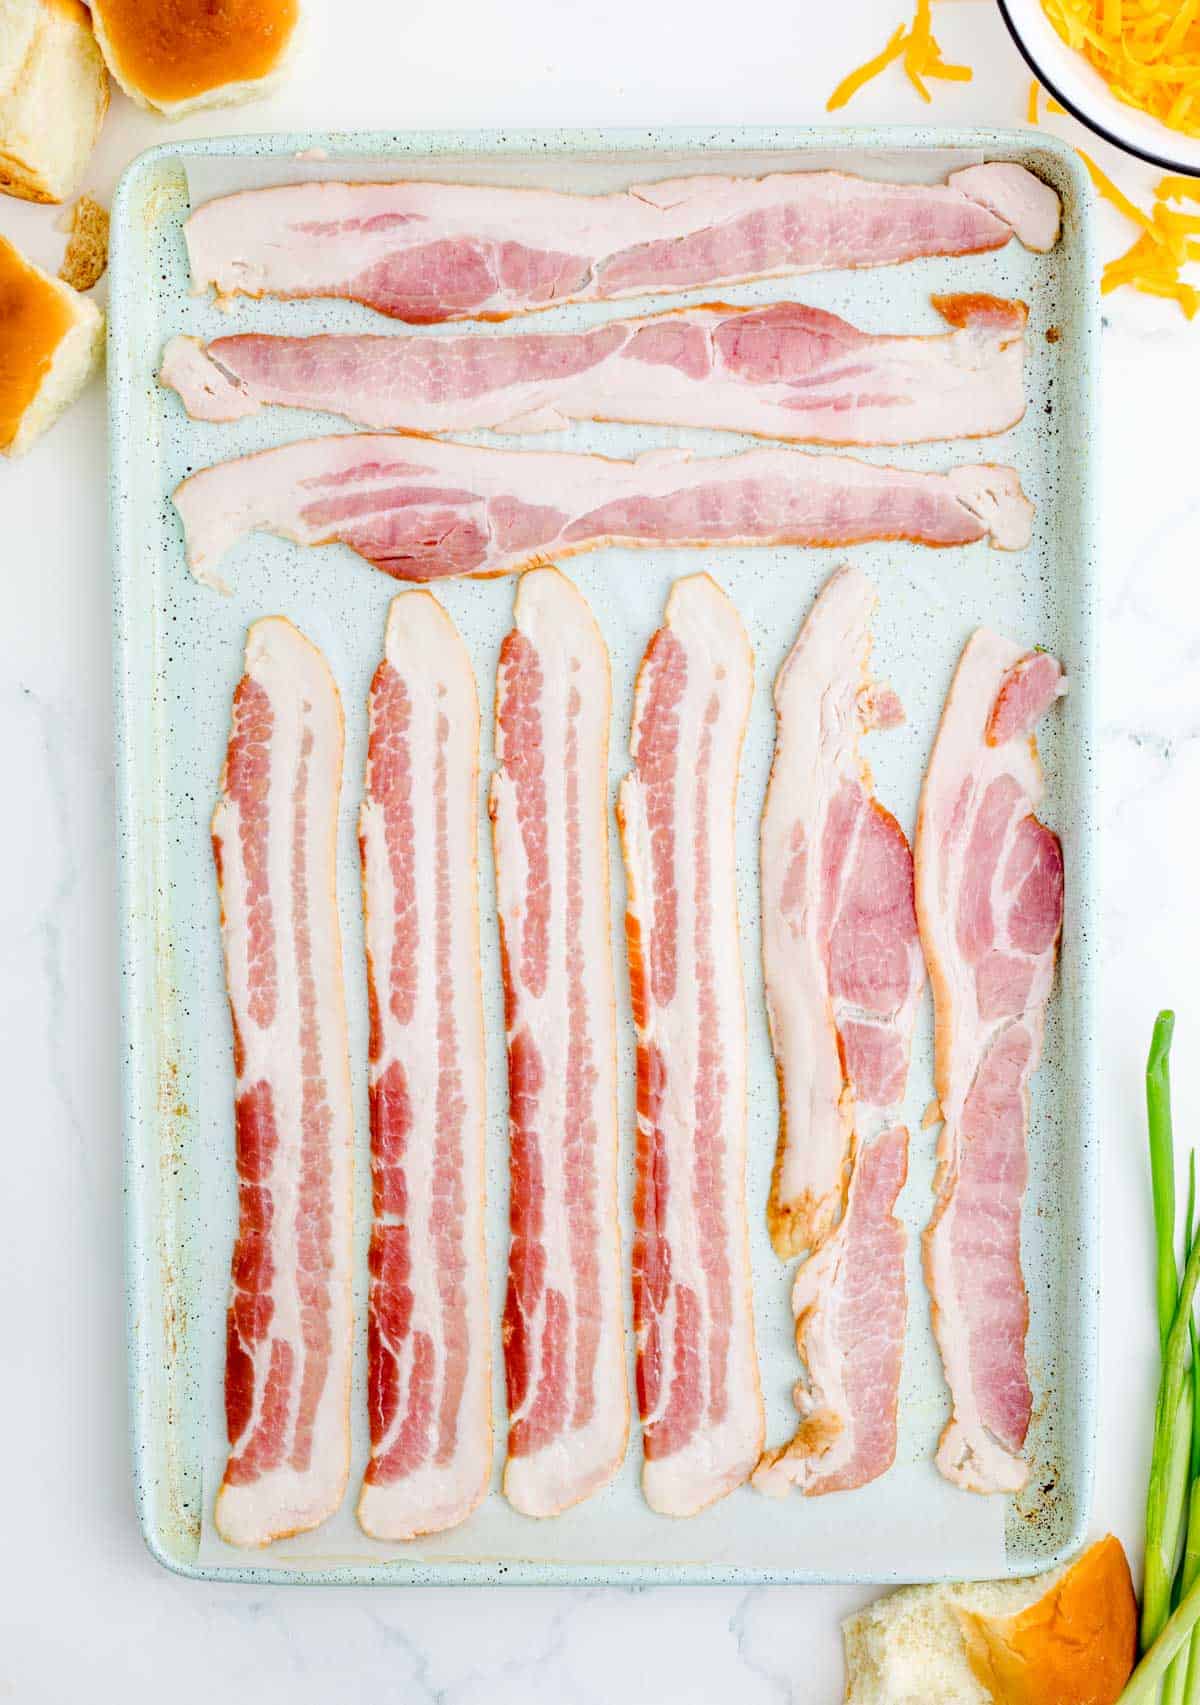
column 1162, row 1168
column 1177, row 1684
column 1142, row 1686
column 1169, row 1462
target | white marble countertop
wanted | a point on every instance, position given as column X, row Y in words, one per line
column 82, row 1605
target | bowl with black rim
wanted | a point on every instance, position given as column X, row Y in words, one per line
column 1077, row 85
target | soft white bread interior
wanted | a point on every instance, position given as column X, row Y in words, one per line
column 18, row 21
column 51, row 339
column 177, row 55
column 54, row 103
column 1065, row 1638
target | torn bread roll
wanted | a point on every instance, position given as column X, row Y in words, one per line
column 53, row 97
column 50, row 344
column 1068, row 1637
column 177, row 55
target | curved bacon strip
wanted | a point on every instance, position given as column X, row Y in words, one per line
column 783, row 371
column 698, row 1386
column 425, row 252
column 290, row 1326
column 843, row 977
column 989, row 900
column 429, row 1361
column 841, row 957
column 421, row 509
column 564, row 1346
column 850, row 1302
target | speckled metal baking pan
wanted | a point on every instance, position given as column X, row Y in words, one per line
column 178, row 655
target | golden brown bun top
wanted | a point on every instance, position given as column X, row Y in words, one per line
column 34, row 319
column 175, row 50
column 1075, row 1646
column 73, row 9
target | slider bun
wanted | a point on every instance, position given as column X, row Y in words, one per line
column 53, row 97
column 177, row 55
column 51, row 340
column 1066, row 1638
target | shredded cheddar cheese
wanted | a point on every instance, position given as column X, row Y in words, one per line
column 1168, row 240
column 1031, row 112
column 922, row 58
column 1108, row 189
column 1147, row 51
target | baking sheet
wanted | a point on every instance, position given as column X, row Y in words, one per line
column 179, row 657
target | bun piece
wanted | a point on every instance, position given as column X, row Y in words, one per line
column 53, row 97
column 177, row 55
column 51, row 339
column 1065, row 1638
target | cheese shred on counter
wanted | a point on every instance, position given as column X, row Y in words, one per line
column 1168, row 240
column 914, row 44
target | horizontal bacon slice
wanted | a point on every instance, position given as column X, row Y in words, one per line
column 290, row 1326
column 428, row 1333
column 420, row 509
column 843, row 976
column 784, row 371
column 841, row 957
column 426, row 252
column 697, row 1372
column 989, row 884
column 564, row 1336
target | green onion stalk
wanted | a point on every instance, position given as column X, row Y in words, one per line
column 1176, row 1450
column 1180, row 1688
column 1143, row 1685
column 1162, row 1169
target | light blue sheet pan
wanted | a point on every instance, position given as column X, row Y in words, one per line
column 178, row 655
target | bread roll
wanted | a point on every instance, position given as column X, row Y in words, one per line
column 18, row 21
column 1065, row 1638
column 52, row 101
column 175, row 55
column 50, row 344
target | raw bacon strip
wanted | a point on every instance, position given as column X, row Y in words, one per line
column 290, row 1326
column 425, row 252
column 428, row 1350
column 783, row 371
column 989, row 883
column 849, row 1301
column 843, row 976
column 840, row 951
column 1026, row 204
column 564, row 1336
column 420, row 509
column 698, row 1387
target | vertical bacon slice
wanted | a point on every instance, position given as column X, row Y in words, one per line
column 841, row 957
column 783, row 371
column 429, row 1361
column 564, row 1341
column 849, row 1301
column 698, row 1386
column 423, row 509
column 426, row 252
column 290, row 1328
column 989, row 883
column 843, row 976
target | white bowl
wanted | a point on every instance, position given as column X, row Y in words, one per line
column 1069, row 77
